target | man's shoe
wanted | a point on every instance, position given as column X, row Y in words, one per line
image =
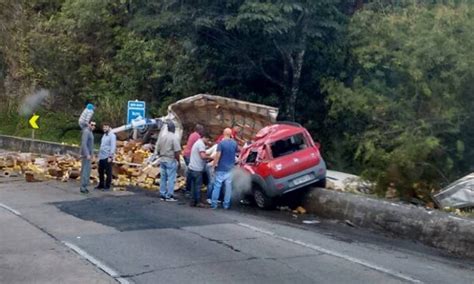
column 209, row 201
column 99, row 187
column 202, row 205
column 163, row 198
column 171, row 199
column 84, row 191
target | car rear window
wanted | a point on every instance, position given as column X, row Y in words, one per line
column 288, row 145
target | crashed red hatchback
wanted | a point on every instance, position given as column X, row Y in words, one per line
column 282, row 158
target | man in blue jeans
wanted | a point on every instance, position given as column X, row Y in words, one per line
column 196, row 169
column 224, row 163
column 168, row 149
column 87, row 150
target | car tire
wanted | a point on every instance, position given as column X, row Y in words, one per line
column 321, row 183
column 261, row 199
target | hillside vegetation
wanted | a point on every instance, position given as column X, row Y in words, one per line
column 384, row 85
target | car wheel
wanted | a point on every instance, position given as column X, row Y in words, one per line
column 321, row 183
column 261, row 199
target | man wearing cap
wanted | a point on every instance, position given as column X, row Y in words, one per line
column 168, row 149
column 87, row 150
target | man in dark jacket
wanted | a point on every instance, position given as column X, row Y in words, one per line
column 87, row 150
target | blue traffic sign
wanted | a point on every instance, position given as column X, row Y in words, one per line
column 135, row 109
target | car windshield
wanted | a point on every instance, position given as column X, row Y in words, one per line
column 288, row 145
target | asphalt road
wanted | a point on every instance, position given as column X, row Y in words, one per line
column 53, row 234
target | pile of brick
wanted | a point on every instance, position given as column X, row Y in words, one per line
column 129, row 167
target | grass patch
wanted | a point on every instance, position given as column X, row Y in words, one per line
column 54, row 126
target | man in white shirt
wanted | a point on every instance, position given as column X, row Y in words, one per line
column 196, row 169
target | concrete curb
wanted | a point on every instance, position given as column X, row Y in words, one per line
column 434, row 228
column 12, row 143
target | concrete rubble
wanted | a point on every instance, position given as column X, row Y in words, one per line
column 345, row 182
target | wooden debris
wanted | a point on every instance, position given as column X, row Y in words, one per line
column 74, row 174
column 31, row 177
column 391, row 193
column 180, row 183
column 299, row 210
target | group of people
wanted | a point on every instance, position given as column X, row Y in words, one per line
column 217, row 167
column 200, row 162
column 215, row 163
column 106, row 151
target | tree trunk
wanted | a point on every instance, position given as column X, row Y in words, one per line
column 294, row 87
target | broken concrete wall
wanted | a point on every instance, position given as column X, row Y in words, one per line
column 434, row 228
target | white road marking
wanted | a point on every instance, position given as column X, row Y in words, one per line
column 82, row 253
column 97, row 263
column 334, row 253
column 10, row 209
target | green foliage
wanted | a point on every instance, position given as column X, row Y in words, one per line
column 54, row 126
column 408, row 96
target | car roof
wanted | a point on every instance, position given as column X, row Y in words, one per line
column 277, row 131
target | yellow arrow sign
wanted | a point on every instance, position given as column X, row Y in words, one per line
column 33, row 120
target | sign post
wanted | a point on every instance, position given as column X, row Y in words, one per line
column 34, row 125
column 135, row 109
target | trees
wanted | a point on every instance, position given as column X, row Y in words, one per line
column 242, row 42
column 290, row 27
column 410, row 96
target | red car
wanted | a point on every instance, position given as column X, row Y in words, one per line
column 282, row 158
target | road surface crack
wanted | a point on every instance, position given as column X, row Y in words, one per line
column 222, row 243
column 184, row 266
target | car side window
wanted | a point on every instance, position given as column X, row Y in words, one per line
column 288, row 145
column 252, row 157
column 263, row 155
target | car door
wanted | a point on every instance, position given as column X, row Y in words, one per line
column 292, row 154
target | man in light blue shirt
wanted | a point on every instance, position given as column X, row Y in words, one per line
column 106, row 156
